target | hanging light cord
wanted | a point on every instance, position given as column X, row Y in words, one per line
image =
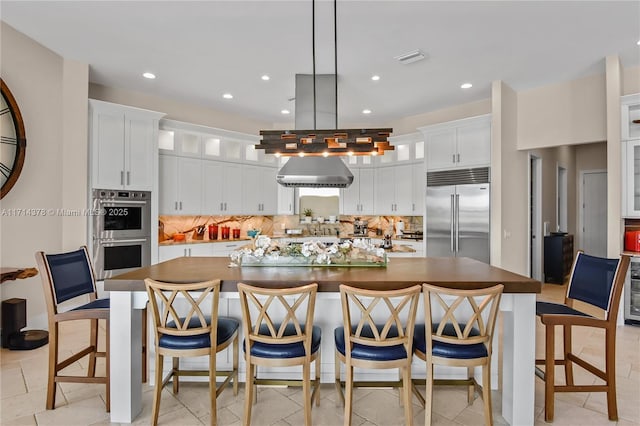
column 335, row 57
column 313, row 50
column 335, row 54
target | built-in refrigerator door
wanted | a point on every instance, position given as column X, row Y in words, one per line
column 439, row 216
column 472, row 221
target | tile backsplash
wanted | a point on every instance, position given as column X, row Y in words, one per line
column 277, row 225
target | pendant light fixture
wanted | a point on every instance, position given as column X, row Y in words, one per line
column 325, row 142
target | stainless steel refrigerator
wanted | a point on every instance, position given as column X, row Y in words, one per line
column 457, row 213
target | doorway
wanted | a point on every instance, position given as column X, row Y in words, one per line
column 535, row 217
column 593, row 212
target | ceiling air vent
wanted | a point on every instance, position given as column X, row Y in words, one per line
column 408, row 58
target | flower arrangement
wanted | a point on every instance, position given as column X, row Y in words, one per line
column 266, row 252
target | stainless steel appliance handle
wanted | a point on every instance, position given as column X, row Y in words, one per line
column 135, row 202
column 118, row 241
column 452, row 224
column 457, row 222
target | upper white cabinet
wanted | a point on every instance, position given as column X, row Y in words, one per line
column 193, row 140
column 394, row 190
column 460, row 143
column 222, row 183
column 358, row 198
column 630, row 112
column 630, row 115
column 122, row 146
column 180, row 185
column 259, row 191
column 419, row 188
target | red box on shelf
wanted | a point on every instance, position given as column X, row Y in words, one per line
column 632, row 241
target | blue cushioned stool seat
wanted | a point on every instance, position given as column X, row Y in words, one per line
column 371, row 353
column 543, row 308
column 226, row 328
column 288, row 350
column 96, row 304
column 448, row 350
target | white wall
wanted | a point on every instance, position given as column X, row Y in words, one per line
column 566, row 113
column 631, row 80
column 180, row 111
column 51, row 93
column 411, row 123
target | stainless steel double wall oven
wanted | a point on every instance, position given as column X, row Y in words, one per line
column 121, row 231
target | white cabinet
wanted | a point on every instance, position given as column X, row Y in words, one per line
column 358, row 198
column 259, row 191
column 461, row 143
column 630, row 115
column 418, row 188
column 631, row 178
column 122, row 146
column 224, row 248
column 394, row 190
column 180, row 185
column 185, row 250
column 286, row 200
column 222, row 184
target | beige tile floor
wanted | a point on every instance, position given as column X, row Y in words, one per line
column 23, row 383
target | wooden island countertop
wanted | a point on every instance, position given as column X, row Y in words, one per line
column 400, row 272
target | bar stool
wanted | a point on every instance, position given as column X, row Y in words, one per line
column 376, row 345
column 289, row 342
column 462, row 338
column 190, row 335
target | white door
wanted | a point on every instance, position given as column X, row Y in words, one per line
column 594, row 213
column 140, row 149
column 168, row 185
column 418, row 187
column 441, row 149
column 189, row 186
column 233, row 188
column 367, row 185
column 403, row 190
column 474, row 144
column 213, row 185
column 385, row 191
column 108, row 135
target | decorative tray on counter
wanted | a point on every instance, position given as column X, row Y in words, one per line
column 267, row 252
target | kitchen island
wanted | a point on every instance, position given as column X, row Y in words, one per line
column 128, row 297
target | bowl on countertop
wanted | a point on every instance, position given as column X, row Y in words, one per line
column 178, row 237
column 253, row 233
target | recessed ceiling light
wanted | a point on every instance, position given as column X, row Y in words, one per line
column 265, row 77
column 375, row 77
column 285, row 111
column 466, row 86
column 149, row 75
column 366, row 111
column 227, row 96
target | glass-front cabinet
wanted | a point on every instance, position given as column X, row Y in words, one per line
column 630, row 115
column 631, row 178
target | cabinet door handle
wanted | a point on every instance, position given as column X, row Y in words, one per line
column 220, row 206
column 453, row 158
column 128, row 178
column 458, row 157
column 413, row 207
column 176, row 208
column 180, row 205
column 121, row 177
column 225, row 206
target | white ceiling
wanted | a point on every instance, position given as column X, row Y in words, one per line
column 200, row 50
